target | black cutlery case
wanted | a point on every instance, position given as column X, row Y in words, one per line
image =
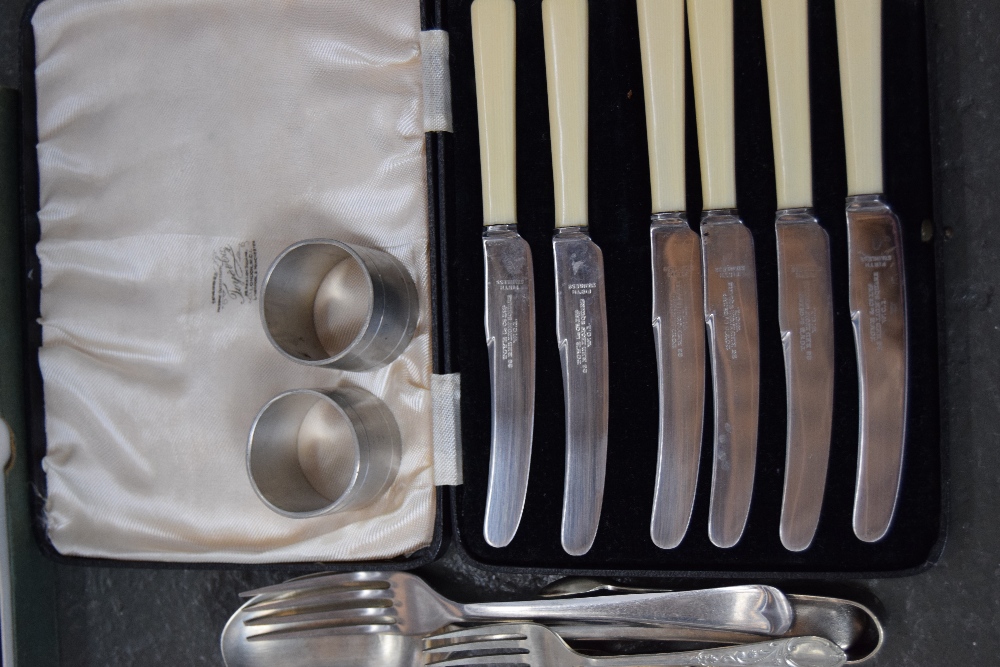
column 619, row 215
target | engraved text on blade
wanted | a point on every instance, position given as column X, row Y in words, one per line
column 679, row 322
column 877, row 311
column 808, row 316
column 583, row 332
column 732, row 319
column 509, row 329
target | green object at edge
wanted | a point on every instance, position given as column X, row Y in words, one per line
column 36, row 643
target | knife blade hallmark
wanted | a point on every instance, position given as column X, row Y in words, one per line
column 805, row 316
column 510, row 342
column 732, row 321
column 679, row 330
column 581, row 329
column 878, row 315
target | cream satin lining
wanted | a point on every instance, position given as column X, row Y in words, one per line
column 182, row 146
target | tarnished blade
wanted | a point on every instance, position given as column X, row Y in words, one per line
column 510, row 340
column 679, row 328
column 731, row 317
column 581, row 327
column 805, row 314
column 878, row 313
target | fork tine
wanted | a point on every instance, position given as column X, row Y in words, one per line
column 497, row 630
column 323, row 616
column 484, row 661
column 349, row 597
column 499, row 644
column 507, row 642
column 362, row 627
column 314, row 581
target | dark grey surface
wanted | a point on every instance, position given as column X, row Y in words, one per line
column 947, row 616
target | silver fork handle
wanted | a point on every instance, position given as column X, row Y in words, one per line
column 756, row 609
column 794, row 652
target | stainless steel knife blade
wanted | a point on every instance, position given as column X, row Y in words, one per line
column 510, row 341
column 679, row 327
column 731, row 317
column 581, row 329
column 878, row 313
column 510, row 292
column 805, row 316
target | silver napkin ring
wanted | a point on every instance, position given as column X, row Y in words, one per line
column 333, row 304
column 316, row 451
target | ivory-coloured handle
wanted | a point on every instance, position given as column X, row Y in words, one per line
column 711, row 28
column 859, row 38
column 661, row 40
column 564, row 23
column 786, row 39
column 493, row 49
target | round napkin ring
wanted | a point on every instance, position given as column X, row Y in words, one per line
column 333, row 304
column 315, row 451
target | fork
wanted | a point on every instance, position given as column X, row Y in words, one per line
column 532, row 645
column 363, row 602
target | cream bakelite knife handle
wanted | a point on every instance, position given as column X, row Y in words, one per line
column 661, row 38
column 493, row 49
column 786, row 25
column 859, row 39
column 565, row 26
column 711, row 29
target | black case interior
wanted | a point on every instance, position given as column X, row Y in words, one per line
column 619, row 223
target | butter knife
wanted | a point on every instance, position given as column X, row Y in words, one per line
column 729, row 273
column 677, row 282
column 581, row 320
column 510, row 298
column 875, row 262
column 805, row 291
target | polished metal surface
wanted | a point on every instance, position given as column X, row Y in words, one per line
column 878, row 313
column 322, row 649
column 731, row 317
column 363, row 602
column 311, row 452
column 581, row 330
column 535, row 645
column 569, row 586
column 510, row 341
column 850, row 625
column 805, row 315
column 679, row 330
column 333, row 304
